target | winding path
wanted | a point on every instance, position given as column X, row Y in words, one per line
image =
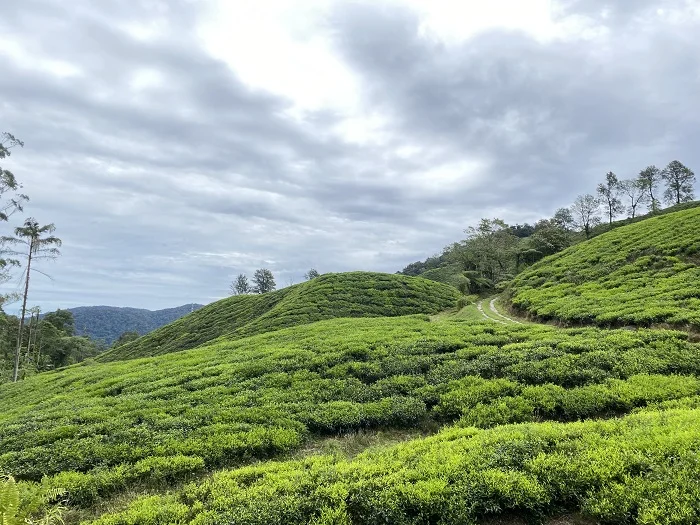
column 502, row 319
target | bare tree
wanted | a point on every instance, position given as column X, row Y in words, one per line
column 649, row 179
column 634, row 192
column 586, row 213
column 240, row 286
column 609, row 192
column 36, row 246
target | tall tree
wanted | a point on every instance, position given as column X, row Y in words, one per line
column 649, row 179
column 490, row 250
column 263, row 281
column 609, row 192
column 240, row 286
column 8, row 182
column 10, row 198
column 311, row 274
column 564, row 219
column 586, row 213
column 549, row 237
column 679, row 183
column 634, row 192
column 38, row 244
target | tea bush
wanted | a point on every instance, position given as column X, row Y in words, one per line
column 642, row 274
column 95, row 429
column 643, row 468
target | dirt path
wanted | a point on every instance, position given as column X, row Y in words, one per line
column 480, row 307
column 492, row 313
column 492, row 306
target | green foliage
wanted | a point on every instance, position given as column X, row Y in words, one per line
column 30, row 508
column 96, row 429
column 50, row 344
column 640, row 469
column 355, row 294
column 640, row 274
column 450, row 274
column 126, row 337
column 9, row 502
column 263, row 281
column 107, row 323
column 311, row 274
column 679, row 183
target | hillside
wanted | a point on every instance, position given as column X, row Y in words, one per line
column 644, row 273
column 355, row 294
column 98, row 430
column 107, row 323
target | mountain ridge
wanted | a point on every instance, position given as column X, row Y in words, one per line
column 107, row 323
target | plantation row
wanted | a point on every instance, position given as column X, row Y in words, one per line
column 639, row 469
column 97, row 428
column 642, row 274
column 354, row 294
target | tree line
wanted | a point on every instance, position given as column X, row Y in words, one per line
column 263, row 281
column 617, row 197
column 494, row 251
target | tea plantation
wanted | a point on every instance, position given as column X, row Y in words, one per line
column 98, row 430
column 646, row 273
column 353, row 294
column 221, row 417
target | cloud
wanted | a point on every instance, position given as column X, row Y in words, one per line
column 342, row 135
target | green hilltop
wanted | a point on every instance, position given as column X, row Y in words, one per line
column 353, row 294
column 644, row 273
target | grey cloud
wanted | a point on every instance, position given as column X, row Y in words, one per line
column 543, row 112
column 163, row 195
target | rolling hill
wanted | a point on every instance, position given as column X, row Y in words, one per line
column 250, row 410
column 107, row 323
column 98, row 429
column 355, row 294
column 645, row 273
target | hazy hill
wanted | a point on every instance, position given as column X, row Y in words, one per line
column 644, row 273
column 107, row 323
column 354, row 294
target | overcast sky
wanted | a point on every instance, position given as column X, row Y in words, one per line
column 177, row 143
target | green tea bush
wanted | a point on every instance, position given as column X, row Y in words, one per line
column 100, row 428
column 645, row 273
column 643, row 469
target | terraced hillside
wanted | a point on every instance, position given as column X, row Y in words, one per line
column 354, row 294
column 645, row 273
column 99, row 430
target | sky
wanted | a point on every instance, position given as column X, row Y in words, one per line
column 178, row 143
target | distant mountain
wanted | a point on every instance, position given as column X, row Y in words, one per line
column 107, row 323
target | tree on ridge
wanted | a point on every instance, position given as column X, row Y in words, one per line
column 240, row 286
column 609, row 192
column 263, row 281
column 586, row 209
column 679, row 183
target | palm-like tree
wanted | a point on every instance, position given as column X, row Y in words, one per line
column 38, row 244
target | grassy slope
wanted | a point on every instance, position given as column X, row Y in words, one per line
column 355, row 294
column 97, row 429
column 643, row 273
